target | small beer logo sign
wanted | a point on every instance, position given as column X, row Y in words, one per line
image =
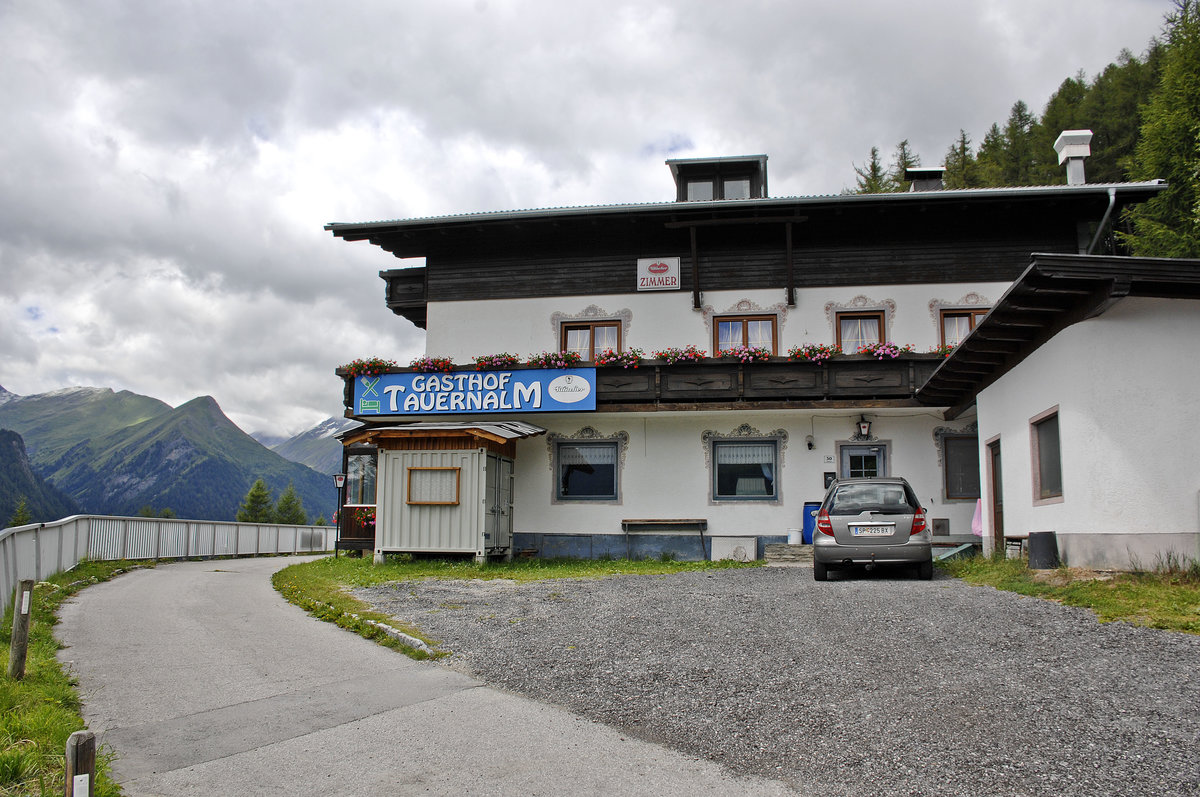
column 568, row 389
column 658, row 274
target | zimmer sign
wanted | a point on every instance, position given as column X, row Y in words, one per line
column 658, row 274
column 533, row 390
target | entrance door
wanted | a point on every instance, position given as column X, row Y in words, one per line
column 860, row 461
column 499, row 522
column 997, row 495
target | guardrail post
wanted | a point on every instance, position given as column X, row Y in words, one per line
column 22, row 608
column 81, row 764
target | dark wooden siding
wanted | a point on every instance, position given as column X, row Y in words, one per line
column 985, row 242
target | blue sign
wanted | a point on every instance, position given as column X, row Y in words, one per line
column 534, row 390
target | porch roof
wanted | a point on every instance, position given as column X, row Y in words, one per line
column 1054, row 292
column 496, row 431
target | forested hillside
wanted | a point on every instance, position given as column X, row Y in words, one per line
column 21, row 487
column 1144, row 113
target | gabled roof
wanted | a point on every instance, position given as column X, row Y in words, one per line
column 1054, row 292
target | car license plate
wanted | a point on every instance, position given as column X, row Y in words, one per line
column 873, row 531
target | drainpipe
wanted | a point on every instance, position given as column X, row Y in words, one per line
column 1112, row 203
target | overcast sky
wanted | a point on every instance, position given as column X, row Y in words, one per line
column 166, row 167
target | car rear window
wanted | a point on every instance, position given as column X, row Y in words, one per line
column 888, row 499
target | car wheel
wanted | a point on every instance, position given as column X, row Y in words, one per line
column 925, row 570
column 820, row 572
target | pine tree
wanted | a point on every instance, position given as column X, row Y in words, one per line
column 902, row 160
column 21, row 515
column 1169, row 147
column 1020, row 132
column 872, row 178
column 256, row 506
column 1062, row 112
column 959, row 169
column 990, row 161
column 289, row 509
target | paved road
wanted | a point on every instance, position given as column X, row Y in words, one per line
column 203, row 680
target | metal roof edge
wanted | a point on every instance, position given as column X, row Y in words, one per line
column 767, row 202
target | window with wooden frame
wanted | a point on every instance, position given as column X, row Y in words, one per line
column 1047, row 457
column 744, row 470
column 731, row 331
column 957, row 324
column 858, row 329
column 586, row 470
column 961, row 466
column 589, row 338
column 433, row 486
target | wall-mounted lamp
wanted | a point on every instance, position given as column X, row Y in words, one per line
column 864, row 426
column 808, row 441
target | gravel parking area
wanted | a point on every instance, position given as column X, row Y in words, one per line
column 864, row 685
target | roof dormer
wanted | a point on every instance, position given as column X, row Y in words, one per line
column 707, row 179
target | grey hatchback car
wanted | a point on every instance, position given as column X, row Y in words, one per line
column 871, row 522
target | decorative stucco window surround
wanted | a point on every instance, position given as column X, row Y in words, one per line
column 741, row 309
column 590, row 315
column 972, row 304
column 860, row 305
column 589, row 437
column 746, row 436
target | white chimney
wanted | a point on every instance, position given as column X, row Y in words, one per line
column 1073, row 146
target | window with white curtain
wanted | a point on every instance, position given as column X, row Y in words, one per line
column 589, row 339
column 733, row 331
column 586, row 470
column 957, row 324
column 744, row 469
column 856, row 330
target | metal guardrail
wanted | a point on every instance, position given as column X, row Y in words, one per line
column 39, row 550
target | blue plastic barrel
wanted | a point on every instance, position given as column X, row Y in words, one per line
column 810, row 521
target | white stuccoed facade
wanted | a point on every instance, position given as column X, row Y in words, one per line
column 662, row 319
column 664, row 470
column 1127, row 388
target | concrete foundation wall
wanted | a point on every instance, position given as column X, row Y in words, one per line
column 1138, row 551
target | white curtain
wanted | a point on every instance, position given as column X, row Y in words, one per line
column 858, row 332
column 745, row 454
column 760, row 334
column 605, row 454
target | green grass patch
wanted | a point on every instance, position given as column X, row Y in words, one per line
column 1167, row 597
column 322, row 587
column 39, row 712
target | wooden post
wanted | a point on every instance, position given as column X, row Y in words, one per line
column 22, row 608
column 81, row 764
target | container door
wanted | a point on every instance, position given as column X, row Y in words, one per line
column 499, row 524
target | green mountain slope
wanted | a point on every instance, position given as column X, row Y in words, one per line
column 191, row 459
column 17, row 481
column 52, row 423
